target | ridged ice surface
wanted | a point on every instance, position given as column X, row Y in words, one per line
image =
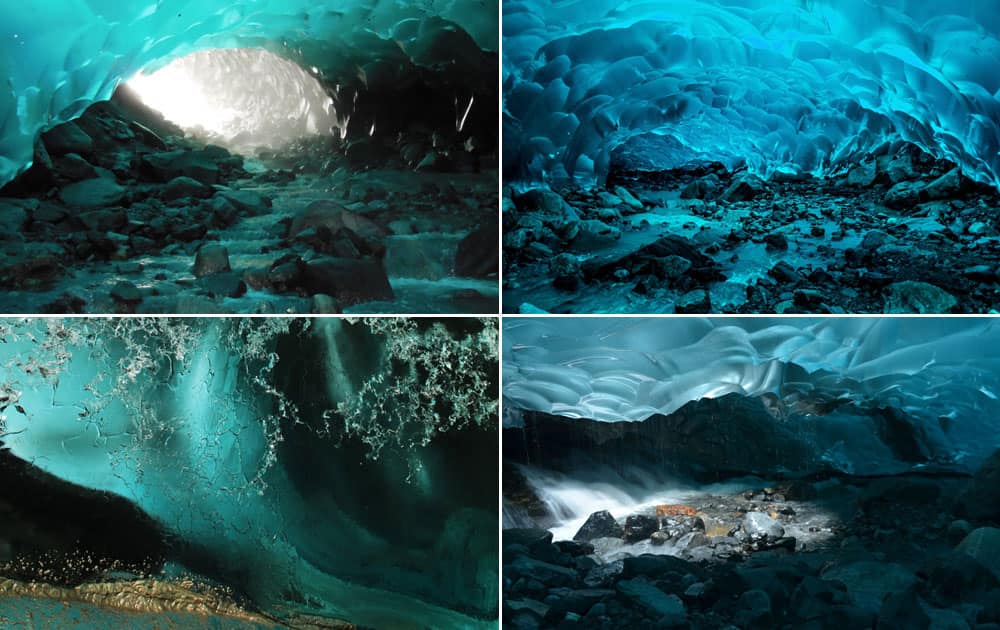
column 616, row 369
column 794, row 85
column 59, row 56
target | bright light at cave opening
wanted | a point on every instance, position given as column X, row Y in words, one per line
column 243, row 98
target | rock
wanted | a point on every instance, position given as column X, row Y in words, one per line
column 74, row 168
column 478, row 255
column 667, row 610
column 98, row 192
column 595, row 234
column 983, row 544
column 609, row 199
column 670, row 267
column 67, row 138
column 639, row 527
column 812, row 598
column 902, row 610
column 224, row 284
column 331, row 216
column 892, row 492
column 325, row 305
column 760, row 525
column 598, row 525
column 692, row 302
column 978, row 228
column 628, row 198
column 548, row 574
column 528, row 537
column 167, row 165
column 350, row 281
column 126, row 293
column 900, row 168
column 955, row 577
column 211, row 258
column 540, row 200
column 958, row 530
column 13, row 216
column 917, row 297
column 868, row 582
column 754, row 609
column 862, row 175
column 657, row 567
column 574, row 548
column 246, row 201
column 526, row 308
column 905, row 195
column 691, row 540
column 785, row 273
column 945, row 187
column 104, row 220
column 181, row 187
column 745, row 188
column 776, row 242
column 981, row 500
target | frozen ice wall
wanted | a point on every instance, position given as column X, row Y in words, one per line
column 59, row 56
column 780, row 85
column 235, row 435
column 942, row 372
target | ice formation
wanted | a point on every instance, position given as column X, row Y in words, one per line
column 58, row 57
column 935, row 370
column 211, row 428
column 792, row 86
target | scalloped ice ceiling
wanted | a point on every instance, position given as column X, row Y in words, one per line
column 59, row 56
column 622, row 369
column 791, row 86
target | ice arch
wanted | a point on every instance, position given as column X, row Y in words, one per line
column 59, row 56
column 793, row 85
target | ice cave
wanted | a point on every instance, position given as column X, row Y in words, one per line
column 751, row 156
column 249, row 473
column 243, row 157
column 756, row 472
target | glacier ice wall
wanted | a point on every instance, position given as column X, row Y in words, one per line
column 236, row 436
column 777, row 85
column 59, row 56
column 933, row 369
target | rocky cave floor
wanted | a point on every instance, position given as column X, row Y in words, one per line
column 909, row 551
column 116, row 217
column 900, row 233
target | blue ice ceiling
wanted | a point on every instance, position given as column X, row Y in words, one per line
column 780, row 85
column 59, row 56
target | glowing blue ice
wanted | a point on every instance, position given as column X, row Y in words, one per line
column 793, row 86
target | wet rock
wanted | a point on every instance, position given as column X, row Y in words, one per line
column 639, row 527
column 67, row 138
column 104, row 220
column 745, row 188
column 182, row 187
column 74, row 168
column 868, row 582
column 906, row 194
column 599, row 525
column 983, row 545
column 917, row 297
column 540, row 200
column 246, row 201
column 350, row 281
column 776, row 242
column 168, row 165
column 478, row 256
column 331, row 216
column 981, row 500
column 223, row 284
column 657, row 566
column 785, row 273
column 548, row 574
column 667, row 610
column 125, row 292
column 693, row 302
column 595, row 234
column 862, row 175
column 956, row 576
column 754, row 610
column 760, row 525
column 946, row 186
column 902, row 610
column 628, row 198
column 97, row 192
column 211, row 258
column 670, row 267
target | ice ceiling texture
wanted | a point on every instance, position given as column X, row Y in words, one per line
column 59, row 56
column 943, row 372
column 285, row 457
column 794, row 86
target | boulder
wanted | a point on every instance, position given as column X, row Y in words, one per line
column 223, row 284
column 181, row 187
column 760, row 525
column 167, row 165
column 350, row 281
column 478, row 254
column 983, row 544
column 917, row 297
column 97, row 192
column 67, row 138
column 599, row 525
column 639, row 527
column 667, row 610
column 246, row 201
column 744, row 188
column 211, row 258
column 694, row 302
column 869, row 582
column 126, row 293
column 981, row 500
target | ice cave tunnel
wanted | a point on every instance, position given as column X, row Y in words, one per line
column 356, row 141
column 751, row 472
column 248, row 473
column 757, row 132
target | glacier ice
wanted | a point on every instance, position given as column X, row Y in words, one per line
column 227, row 433
column 59, row 56
column 944, row 372
column 800, row 86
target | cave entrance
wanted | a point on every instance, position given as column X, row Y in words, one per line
column 244, row 99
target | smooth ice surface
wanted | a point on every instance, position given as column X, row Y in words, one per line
column 276, row 454
column 242, row 99
column 941, row 371
column 59, row 56
column 793, row 85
